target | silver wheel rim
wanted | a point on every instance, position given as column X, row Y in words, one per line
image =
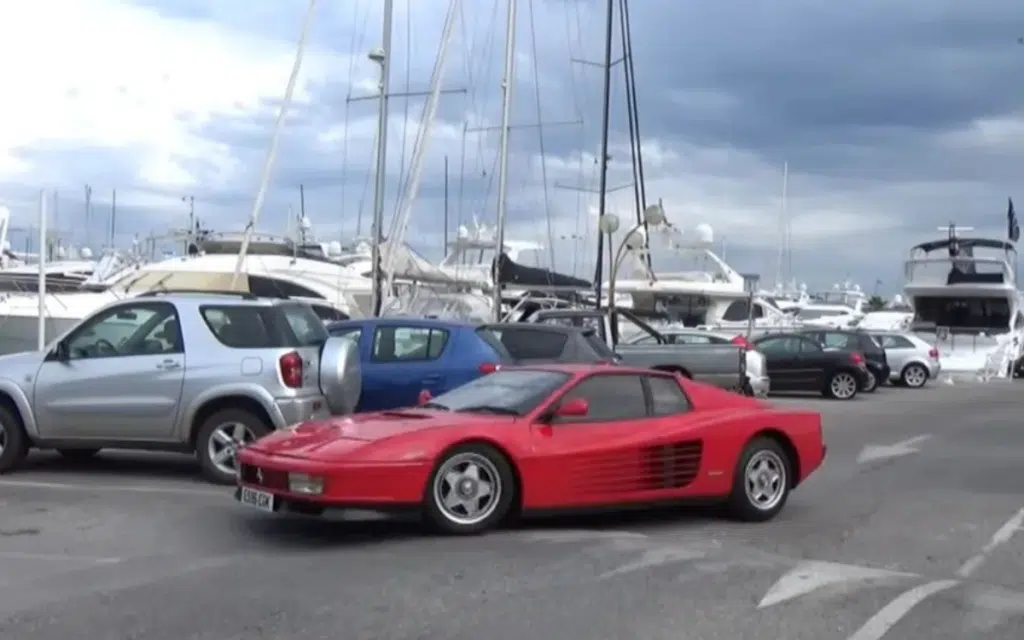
column 843, row 385
column 915, row 376
column 467, row 488
column 765, row 478
column 871, row 383
column 224, row 443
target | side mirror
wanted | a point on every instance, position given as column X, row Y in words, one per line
column 60, row 352
column 574, row 408
column 424, row 397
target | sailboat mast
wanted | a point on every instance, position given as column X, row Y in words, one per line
column 382, row 57
column 605, row 122
column 507, row 84
column 783, row 229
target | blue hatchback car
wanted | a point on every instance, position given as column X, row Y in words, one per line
column 401, row 357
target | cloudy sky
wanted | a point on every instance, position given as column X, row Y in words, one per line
column 894, row 116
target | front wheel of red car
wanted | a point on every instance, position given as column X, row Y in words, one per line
column 761, row 482
column 470, row 491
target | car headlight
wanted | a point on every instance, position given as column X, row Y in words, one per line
column 305, row 484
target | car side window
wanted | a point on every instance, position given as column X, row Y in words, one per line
column 408, row 344
column 534, row 344
column 837, row 341
column 896, row 342
column 238, row 326
column 328, row 313
column 610, row 397
column 352, row 333
column 809, row 346
column 667, row 398
column 782, row 345
column 690, row 338
column 128, row 330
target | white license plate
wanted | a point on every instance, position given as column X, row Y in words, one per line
column 254, row 498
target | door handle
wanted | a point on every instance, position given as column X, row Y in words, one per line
column 168, row 365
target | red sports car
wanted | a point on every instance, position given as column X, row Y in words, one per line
column 541, row 439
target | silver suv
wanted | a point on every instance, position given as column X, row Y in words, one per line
column 176, row 371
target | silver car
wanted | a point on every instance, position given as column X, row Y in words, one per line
column 756, row 367
column 912, row 361
column 191, row 372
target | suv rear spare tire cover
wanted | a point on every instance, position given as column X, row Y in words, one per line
column 341, row 377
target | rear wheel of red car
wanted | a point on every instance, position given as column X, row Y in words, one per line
column 470, row 491
column 761, row 482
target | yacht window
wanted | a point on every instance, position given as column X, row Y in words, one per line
column 263, row 287
column 740, row 310
column 971, row 314
column 814, row 314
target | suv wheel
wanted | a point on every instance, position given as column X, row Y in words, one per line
column 13, row 441
column 221, row 436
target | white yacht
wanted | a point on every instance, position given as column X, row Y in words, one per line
column 273, row 267
column 964, row 294
column 711, row 294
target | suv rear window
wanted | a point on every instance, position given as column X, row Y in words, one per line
column 256, row 327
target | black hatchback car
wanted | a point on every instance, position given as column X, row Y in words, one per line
column 853, row 340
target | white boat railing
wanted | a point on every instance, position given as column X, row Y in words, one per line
column 931, row 272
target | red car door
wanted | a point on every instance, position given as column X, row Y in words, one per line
column 625, row 450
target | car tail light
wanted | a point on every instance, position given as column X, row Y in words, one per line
column 290, row 365
column 856, row 358
column 933, row 353
column 488, row 367
column 743, row 342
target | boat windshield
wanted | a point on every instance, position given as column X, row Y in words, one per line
column 988, row 314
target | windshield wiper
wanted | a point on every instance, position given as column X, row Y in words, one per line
column 434, row 405
column 486, row 408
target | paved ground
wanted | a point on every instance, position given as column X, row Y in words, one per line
column 909, row 532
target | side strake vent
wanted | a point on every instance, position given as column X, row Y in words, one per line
column 672, row 466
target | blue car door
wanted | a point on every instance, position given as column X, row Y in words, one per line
column 400, row 361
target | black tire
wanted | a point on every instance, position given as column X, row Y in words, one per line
column 830, row 386
column 741, row 504
column 490, row 462
column 14, row 440
column 255, row 426
column 914, row 376
column 78, row 454
column 871, row 384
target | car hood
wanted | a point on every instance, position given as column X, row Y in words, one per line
column 13, row 362
column 329, row 438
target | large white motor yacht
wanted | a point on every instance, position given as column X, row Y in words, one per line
column 964, row 294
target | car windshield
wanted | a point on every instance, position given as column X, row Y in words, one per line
column 513, row 392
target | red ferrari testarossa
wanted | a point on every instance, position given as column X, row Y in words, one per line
column 541, row 439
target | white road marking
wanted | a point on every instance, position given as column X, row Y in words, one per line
column 56, row 557
column 124, row 488
column 1000, row 537
column 891, row 614
column 887, row 618
column 655, row 558
column 874, row 452
column 812, row 575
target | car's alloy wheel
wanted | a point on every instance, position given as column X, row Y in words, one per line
column 220, row 438
column 470, row 490
column 871, row 383
column 842, row 385
column 761, row 482
column 915, row 376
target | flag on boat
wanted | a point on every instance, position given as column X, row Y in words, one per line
column 1013, row 228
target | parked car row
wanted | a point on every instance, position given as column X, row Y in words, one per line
column 842, row 363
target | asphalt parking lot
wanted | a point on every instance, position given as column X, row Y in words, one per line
column 910, row 531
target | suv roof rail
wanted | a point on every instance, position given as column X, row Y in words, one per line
column 245, row 295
